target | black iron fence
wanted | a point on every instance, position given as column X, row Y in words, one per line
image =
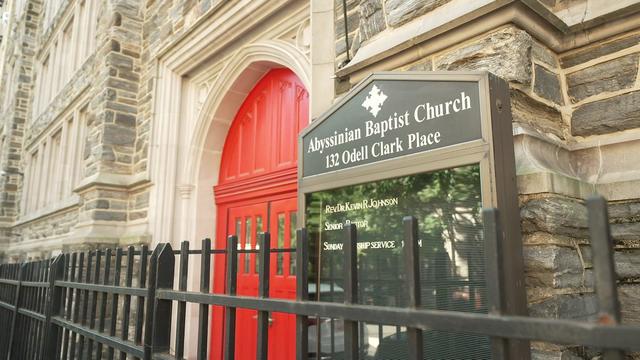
column 120, row 303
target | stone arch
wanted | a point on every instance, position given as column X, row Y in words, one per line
column 239, row 75
column 236, row 79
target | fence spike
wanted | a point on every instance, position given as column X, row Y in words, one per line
column 165, row 265
column 203, row 313
column 230, row 312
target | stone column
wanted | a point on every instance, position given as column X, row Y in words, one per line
column 112, row 194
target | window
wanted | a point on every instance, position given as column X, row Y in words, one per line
column 55, row 166
column 68, row 65
column 8, row 90
column 19, row 7
column 51, row 8
column 70, row 45
column 28, row 194
column 53, row 193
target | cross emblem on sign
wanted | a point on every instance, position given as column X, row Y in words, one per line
column 374, row 101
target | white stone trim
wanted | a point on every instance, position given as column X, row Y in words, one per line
column 191, row 114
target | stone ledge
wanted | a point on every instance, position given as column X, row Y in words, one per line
column 457, row 21
column 71, row 201
column 547, row 182
column 113, row 180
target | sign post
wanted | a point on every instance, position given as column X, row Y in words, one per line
column 437, row 146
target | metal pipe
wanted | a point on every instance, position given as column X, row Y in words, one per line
column 346, row 28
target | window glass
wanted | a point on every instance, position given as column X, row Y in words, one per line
column 447, row 204
column 280, row 244
column 259, row 229
column 247, row 244
column 292, row 235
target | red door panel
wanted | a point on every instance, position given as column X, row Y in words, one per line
column 282, row 226
column 263, row 135
column 246, row 222
column 256, row 191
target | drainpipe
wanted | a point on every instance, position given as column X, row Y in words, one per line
column 346, row 29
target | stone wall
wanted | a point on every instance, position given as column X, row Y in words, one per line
column 109, row 80
column 368, row 18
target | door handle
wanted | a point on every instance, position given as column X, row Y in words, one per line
column 270, row 320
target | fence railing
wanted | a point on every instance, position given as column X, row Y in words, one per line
column 120, row 303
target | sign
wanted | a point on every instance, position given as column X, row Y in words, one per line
column 377, row 156
column 391, row 118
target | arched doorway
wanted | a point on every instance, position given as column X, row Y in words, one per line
column 257, row 191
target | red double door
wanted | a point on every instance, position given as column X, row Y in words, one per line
column 257, row 192
column 279, row 218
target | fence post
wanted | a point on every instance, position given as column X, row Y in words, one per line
column 604, row 268
column 302, row 293
column 495, row 270
column 161, row 336
column 150, row 303
column 350, row 289
column 203, row 313
column 182, row 305
column 53, row 307
column 230, row 312
column 263, row 292
column 22, row 271
column 412, row 269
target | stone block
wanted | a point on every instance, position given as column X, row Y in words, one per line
column 544, row 55
column 119, row 135
column 618, row 113
column 626, row 231
column 107, row 154
column 629, row 295
column 135, row 215
column 555, row 267
column 547, row 85
column 97, row 204
column 126, row 120
column 119, row 61
column 353, row 20
column 506, row 53
column 109, row 215
column 625, row 211
column 613, row 75
column 555, row 215
column 372, row 19
column 628, row 263
column 142, row 200
column 597, row 50
column 582, row 307
column 402, row 11
column 123, row 85
column 537, row 354
column 119, row 106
